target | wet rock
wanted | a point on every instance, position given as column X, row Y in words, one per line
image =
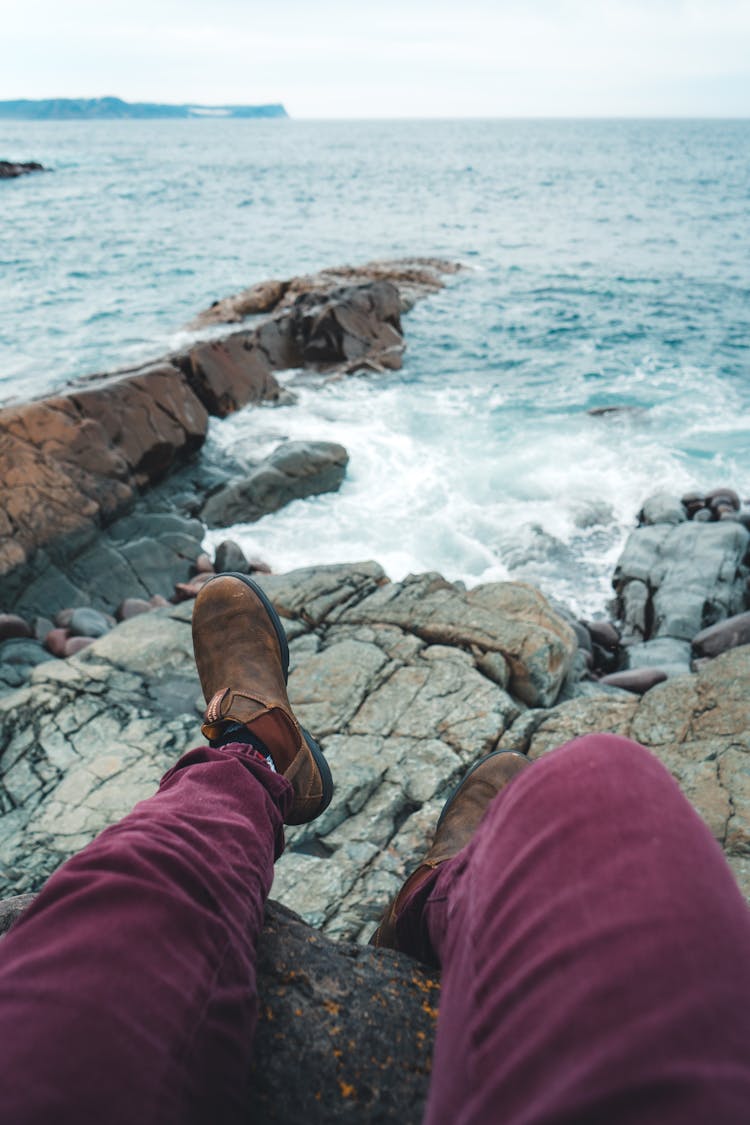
column 9, row 170
column 228, row 374
column 726, row 634
column 294, row 470
column 156, row 601
column 204, row 565
column 63, row 618
column 637, row 680
column 89, row 623
column 663, row 507
column 720, row 498
column 11, row 625
column 230, row 558
column 414, row 279
column 692, row 503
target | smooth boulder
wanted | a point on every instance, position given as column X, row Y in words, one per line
column 294, row 470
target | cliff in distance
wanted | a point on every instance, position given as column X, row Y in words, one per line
column 80, row 109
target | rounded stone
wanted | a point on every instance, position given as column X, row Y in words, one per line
column 22, row 650
column 203, row 565
column 56, row 640
column 11, row 625
column 87, row 622
column 132, row 607
column 63, row 617
column 637, row 680
column 77, row 644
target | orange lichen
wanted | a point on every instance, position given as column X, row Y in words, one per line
column 332, row 1007
column 347, row 1091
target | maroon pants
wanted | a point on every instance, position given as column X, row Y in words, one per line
column 595, row 956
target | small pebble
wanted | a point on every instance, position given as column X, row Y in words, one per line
column 77, row 644
column 56, row 640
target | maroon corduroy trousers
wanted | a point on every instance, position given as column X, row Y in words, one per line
column 595, row 954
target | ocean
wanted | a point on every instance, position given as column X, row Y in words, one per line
column 607, row 265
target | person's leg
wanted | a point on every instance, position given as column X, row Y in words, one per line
column 127, row 989
column 595, row 952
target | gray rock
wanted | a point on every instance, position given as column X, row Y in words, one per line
column 670, row 655
column 293, row 471
column 510, row 618
column 663, row 507
column 88, row 623
column 230, row 558
column 691, row 575
column 23, row 650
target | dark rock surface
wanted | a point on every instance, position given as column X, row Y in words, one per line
column 294, row 470
column 345, row 1032
column 9, row 169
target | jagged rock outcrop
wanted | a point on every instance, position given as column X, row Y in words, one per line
column 414, row 278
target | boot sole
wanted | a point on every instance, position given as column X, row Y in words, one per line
column 465, row 778
column 318, row 756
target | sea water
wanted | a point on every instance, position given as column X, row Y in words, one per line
column 607, row 265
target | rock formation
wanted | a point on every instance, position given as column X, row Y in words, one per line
column 73, row 463
column 10, row 169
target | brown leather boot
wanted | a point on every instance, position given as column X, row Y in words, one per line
column 243, row 662
column 459, row 820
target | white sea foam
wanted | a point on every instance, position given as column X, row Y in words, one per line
column 439, row 479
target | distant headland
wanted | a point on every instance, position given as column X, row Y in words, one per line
column 80, row 109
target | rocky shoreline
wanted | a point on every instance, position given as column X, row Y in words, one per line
column 406, row 684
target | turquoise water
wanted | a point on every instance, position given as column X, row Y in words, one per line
column 608, row 266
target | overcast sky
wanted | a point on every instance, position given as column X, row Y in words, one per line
column 390, row 58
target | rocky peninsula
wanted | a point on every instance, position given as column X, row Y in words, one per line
column 405, row 683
